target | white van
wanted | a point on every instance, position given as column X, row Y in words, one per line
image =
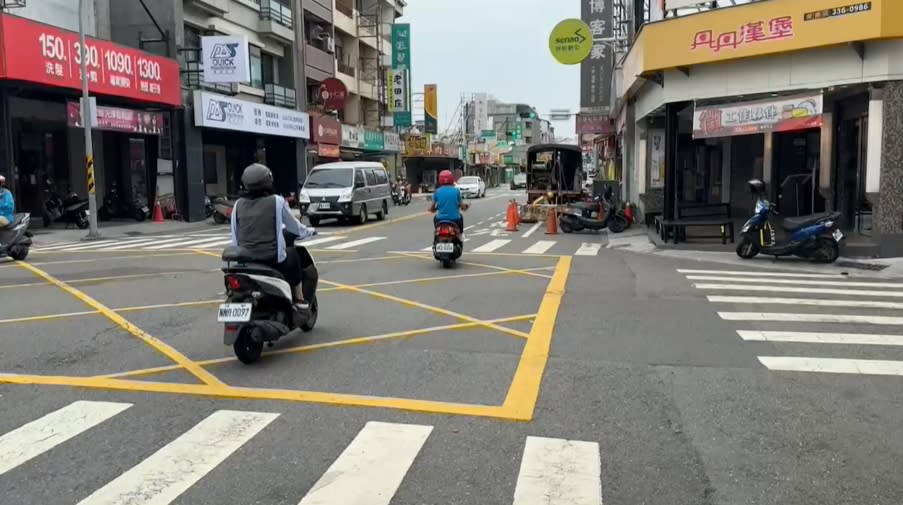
column 346, row 190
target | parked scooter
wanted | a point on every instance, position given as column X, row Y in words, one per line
column 15, row 239
column 70, row 209
column 585, row 215
column 259, row 305
column 813, row 237
column 115, row 206
column 222, row 209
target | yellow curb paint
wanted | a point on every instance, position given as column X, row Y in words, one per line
column 153, row 342
column 524, row 390
column 327, row 345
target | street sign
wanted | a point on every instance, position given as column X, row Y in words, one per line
column 571, row 41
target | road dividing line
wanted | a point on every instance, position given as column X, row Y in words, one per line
column 169, row 472
column 559, row 472
column 492, row 245
column 531, row 230
column 802, row 337
column 160, row 346
column 832, row 365
column 791, row 289
column 540, row 247
column 817, row 302
column 355, row 243
column 370, row 470
column 761, row 273
column 588, row 249
column 321, row 240
column 810, row 318
column 41, row 435
column 798, row 282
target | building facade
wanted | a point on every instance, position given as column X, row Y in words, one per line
column 799, row 93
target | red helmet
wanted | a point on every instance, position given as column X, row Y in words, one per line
column 446, row 178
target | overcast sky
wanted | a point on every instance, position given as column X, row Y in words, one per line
column 500, row 47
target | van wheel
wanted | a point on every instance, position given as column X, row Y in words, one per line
column 362, row 214
column 383, row 212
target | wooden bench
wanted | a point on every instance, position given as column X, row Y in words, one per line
column 697, row 215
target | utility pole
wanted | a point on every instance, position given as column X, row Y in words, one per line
column 93, row 234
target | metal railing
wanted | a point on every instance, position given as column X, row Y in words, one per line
column 275, row 94
column 271, row 9
column 193, row 78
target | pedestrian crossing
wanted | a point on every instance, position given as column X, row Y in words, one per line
column 216, row 242
column 825, row 322
column 370, row 469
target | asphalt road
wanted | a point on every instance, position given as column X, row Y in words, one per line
column 569, row 373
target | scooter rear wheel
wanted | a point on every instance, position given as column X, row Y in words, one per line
column 18, row 253
column 617, row 224
column 82, row 222
column 565, row 226
column 827, row 252
column 314, row 311
column 246, row 350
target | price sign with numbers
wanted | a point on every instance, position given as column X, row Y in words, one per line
column 44, row 54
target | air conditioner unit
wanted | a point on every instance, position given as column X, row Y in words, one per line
column 330, row 44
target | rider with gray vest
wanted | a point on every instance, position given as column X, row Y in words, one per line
column 258, row 219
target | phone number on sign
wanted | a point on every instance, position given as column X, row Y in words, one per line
column 834, row 12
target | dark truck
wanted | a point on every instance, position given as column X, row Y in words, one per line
column 555, row 171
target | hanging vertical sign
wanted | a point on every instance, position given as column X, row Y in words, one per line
column 401, row 65
column 430, row 109
column 596, row 71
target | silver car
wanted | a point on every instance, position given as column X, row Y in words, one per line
column 472, row 186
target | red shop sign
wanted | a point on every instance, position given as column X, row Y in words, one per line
column 44, row 54
column 332, row 94
column 328, row 151
column 326, row 130
column 119, row 119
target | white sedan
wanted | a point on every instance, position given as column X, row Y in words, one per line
column 472, row 187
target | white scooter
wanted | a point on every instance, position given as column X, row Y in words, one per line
column 259, row 305
column 15, row 239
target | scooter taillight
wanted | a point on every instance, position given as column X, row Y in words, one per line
column 233, row 282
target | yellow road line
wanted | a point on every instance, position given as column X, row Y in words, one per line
column 111, row 258
column 430, row 308
column 524, row 390
column 471, row 253
column 327, row 345
column 153, row 342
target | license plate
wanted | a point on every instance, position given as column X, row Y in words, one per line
column 325, row 205
column 837, row 235
column 445, row 247
column 234, row 313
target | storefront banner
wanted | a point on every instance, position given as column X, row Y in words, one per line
column 48, row 55
column 596, row 71
column 431, row 108
column 773, row 115
column 227, row 113
column 118, row 119
column 329, row 151
column 416, row 146
column 758, row 29
column 225, row 58
column 401, row 77
column 592, row 123
column 373, row 140
column 352, row 137
column 392, row 142
column 397, row 90
column 326, row 130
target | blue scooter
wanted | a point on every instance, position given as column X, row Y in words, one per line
column 813, row 237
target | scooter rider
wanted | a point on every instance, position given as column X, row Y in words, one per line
column 7, row 205
column 258, row 219
column 448, row 201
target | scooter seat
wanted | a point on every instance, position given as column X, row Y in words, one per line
column 254, row 269
column 795, row 223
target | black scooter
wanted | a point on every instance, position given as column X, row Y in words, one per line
column 70, row 209
column 115, row 206
column 585, row 215
column 15, row 239
column 447, row 243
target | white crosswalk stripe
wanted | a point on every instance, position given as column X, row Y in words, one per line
column 206, row 241
column 370, row 470
column 491, row 246
column 355, row 243
column 845, row 308
column 540, row 247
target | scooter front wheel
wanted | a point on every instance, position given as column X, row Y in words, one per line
column 617, row 224
column 565, row 226
column 747, row 248
column 82, row 222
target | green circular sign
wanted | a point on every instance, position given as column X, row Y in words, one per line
column 571, row 41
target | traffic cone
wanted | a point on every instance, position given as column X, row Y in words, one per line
column 512, row 217
column 601, row 215
column 158, row 212
column 628, row 212
column 552, row 222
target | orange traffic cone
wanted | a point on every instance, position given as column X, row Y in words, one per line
column 511, row 217
column 158, row 213
column 628, row 212
column 552, row 222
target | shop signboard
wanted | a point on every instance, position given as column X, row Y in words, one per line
column 373, row 140
column 392, row 142
column 44, row 54
column 416, row 146
column 352, row 137
column 225, row 58
column 431, row 108
column 773, row 115
column 595, row 71
column 593, row 124
column 118, row 119
column 332, row 94
column 401, row 77
column 326, row 130
column 329, row 151
column 228, row 113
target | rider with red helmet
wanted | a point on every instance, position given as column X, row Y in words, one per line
column 448, row 201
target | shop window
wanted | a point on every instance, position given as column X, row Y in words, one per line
column 255, row 61
column 267, row 68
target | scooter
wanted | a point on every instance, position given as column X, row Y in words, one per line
column 115, row 206
column 813, row 237
column 585, row 215
column 259, row 305
column 448, row 245
column 70, row 209
column 222, row 209
column 15, row 239
column 401, row 195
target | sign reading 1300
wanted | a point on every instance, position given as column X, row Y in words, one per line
column 149, row 69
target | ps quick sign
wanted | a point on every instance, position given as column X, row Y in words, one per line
column 225, row 59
